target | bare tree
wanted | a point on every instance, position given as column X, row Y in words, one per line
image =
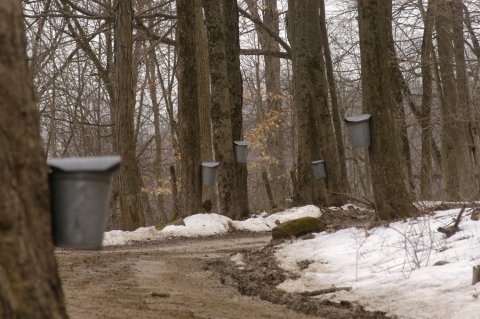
column 221, row 109
column 426, row 116
column 314, row 120
column 188, row 110
column 133, row 202
column 30, row 286
column 235, row 91
column 390, row 182
column 458, row 161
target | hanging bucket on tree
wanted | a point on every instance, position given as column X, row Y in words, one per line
column 209, row 172
column 241, row 150
column 80, row 191
column 359, row 130
column 319, row 171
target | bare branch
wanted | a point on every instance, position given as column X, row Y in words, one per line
column 260, row 24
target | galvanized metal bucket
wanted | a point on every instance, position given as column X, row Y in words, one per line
column 319, row 170
column 241, row 151
column 209, row 172
column 359, row 130
column 80, row 191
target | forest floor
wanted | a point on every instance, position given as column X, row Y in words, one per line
column 187, row 278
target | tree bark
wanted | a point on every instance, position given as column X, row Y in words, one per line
column 390, row 182
column 209, row 196
column 235, row 89
column 188, row 110
column 203, row 85
column 221, row 110
column 158, row 139
column 332, row 88
column 30, row 286
column 311, row 98
column 426, row 110
column 468, row 117
column 302, row 105
column 133, row 202
column 458, row 169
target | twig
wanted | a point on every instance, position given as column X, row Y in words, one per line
column 451, row 230
column 324, row 291
column 459, row 217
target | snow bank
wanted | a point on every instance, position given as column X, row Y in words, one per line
column 209, row 224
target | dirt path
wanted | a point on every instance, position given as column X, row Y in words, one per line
column 163, row 280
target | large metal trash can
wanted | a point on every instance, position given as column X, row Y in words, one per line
column 359, row 130
column 80, row 191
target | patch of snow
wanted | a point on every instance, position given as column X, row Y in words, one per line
column 118, row 237
column 347, row 207
column 199, row 225
column 392, row 268
column 207, row 225
column 257, row 224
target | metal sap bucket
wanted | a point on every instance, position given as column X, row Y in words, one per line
column 209, row 172
column 359, row 130
column 241, row 150
column 80, row 191
column 319, row 169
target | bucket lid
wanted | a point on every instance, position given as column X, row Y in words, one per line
column 318, row 162
column 358, row 118
column 85, row 164
column 210, row 164
column 241, row 143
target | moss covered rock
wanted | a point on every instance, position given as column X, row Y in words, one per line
column 298, row 227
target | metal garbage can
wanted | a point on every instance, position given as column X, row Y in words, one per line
column 359, row 130
column 209, row 172
column 241, row 150
column 319, row 170
column 80, row 192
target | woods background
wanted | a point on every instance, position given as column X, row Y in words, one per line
column 169, row 84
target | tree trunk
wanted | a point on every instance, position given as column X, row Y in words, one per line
column 311, row 90
column 400, row 119
column 133, row 202
column 221, row 116
column 209, row 195
column 203, row 85
column 302, row 105
column 188, row 110
column 235, row 89
column 30, row 286
column 157, row 166
column 468, row 120
column 458, row 168
column 332, row 88
column 426, row 111
column 390, row 182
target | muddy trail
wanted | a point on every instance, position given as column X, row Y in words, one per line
column 186, row 278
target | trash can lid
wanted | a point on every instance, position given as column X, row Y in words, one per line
column 241, row 143
column 85, row 164
column 358, row 118
column 318, row 162
column 210, row 164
